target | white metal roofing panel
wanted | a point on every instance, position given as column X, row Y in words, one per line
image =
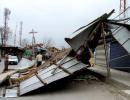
column 61, row 74
column 83, row 34
column 44, row 74
column 56, row 76
column 122, row 35
column 50, row 69
column 80, row 30
column 28, row 82
column 77, row 67
column 72, row 62
column 64, row 60
column 11, row 92
column 42, row 71
column 68, row 64
column 30, row 87
column 47, row 76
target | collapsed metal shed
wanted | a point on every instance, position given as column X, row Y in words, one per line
column 65, row 67
column 88, row 34
column 97, row 35
column 51, row 74
column 101, row 35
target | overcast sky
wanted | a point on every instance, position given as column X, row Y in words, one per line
column 54, row 19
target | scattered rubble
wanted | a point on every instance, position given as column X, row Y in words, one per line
column 64, row 63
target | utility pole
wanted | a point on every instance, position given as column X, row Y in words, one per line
column 1, row 31
column 14, row 40
column 6, row 17
column 20, row 33
column 15, row 35
column 123, row 4
column 33, row 39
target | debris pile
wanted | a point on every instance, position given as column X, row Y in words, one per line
column 97, row 34
column 29, row 72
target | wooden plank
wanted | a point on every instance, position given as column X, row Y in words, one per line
column 41, row 80
column 18, row 93
column 65, row 70
column 4, row 76
column 10, row 82
column 67, row 61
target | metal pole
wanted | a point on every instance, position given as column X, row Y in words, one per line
column 15, row 35
column 106, row 52
column 20, row 33
column 5, row 28
column 1, row 30
column 33, row 40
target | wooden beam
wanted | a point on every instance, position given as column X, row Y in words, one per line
column 41, row 80
column 65, row 70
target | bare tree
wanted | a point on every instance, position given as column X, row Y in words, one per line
column 48, row 42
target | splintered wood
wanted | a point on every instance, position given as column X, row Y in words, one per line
column 33, row 71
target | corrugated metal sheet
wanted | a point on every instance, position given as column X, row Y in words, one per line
column 13, row 92
column 100, row 56
column 80, row 38
column 85, row 33
column 100, row 60
column 30, row 84
column 119, row 57
column 51, row 74
column 122, row 35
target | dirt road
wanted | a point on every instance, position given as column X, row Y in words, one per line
column 90, row 89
